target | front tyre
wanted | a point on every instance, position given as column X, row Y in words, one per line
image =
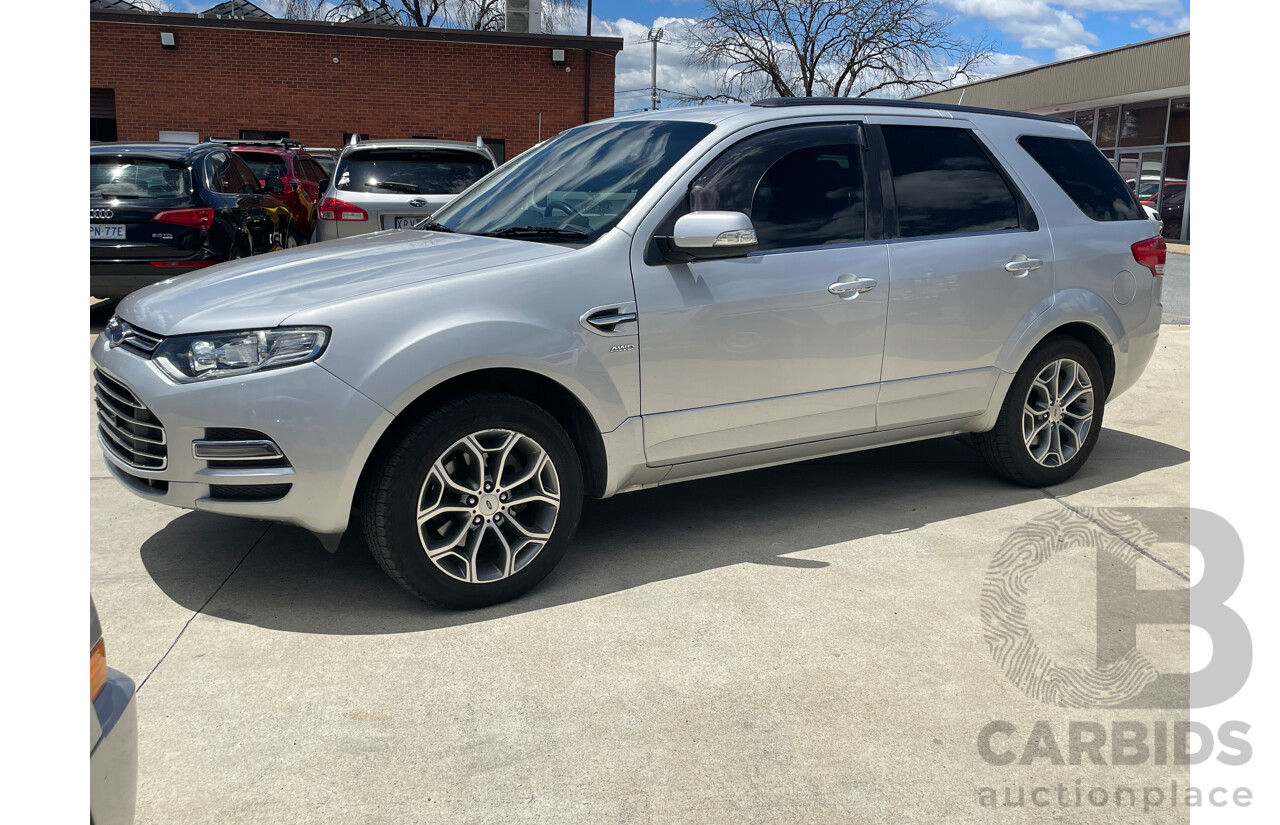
column 477, row 502
column 1051, row 416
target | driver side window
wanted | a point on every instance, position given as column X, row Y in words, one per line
column 801, row 186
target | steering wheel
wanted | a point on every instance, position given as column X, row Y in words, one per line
column 561, row 205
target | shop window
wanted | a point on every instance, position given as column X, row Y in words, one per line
column 1107, row 122
column 1085, row 121
column 1142, row 124
column 1180, row 121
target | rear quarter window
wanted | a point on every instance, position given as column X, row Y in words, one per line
column 1085, row 175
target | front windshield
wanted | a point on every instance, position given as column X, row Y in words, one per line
column 576, row 185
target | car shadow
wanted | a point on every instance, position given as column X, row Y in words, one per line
column 287, row 582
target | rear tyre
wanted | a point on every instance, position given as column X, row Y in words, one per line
column 1051, row 416
column 477, row 503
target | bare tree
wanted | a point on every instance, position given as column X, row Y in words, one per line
column 306, row 9
column 407, row 12
column 482, row 15
column 841, row 48
column 156, row 6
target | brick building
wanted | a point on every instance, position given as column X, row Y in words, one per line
column 178, row 76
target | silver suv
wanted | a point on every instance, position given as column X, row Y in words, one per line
column 641, row 301
column 396, row 184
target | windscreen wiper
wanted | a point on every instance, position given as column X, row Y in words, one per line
column 430, row 225
column 395, row 186
column 534, row 232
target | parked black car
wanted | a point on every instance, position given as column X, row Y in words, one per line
column 159, row 209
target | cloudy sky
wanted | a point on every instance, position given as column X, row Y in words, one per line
column 1026, row 33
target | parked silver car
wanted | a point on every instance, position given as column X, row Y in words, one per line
column 395, row 184
column 113, row 735
column 641, row 301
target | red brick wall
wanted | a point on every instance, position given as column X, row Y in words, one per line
column 219, row 81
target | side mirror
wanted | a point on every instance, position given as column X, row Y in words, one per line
column 714, row 234
column 324, row 186
column 274, row 186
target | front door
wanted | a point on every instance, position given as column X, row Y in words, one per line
column 771, row 348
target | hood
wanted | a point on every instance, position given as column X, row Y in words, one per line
column 264, row 291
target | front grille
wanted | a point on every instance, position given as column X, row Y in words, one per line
column 130, row 430
column 140, row 341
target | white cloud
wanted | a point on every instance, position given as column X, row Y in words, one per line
column 1036, row 23
column 632, row 69
column 1068, row 52
column 1162, row 25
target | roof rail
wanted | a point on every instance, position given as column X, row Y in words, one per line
column 284, row 143
column 787, row 102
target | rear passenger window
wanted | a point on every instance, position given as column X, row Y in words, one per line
column 1085, row 175
column 945, row 184
column 800, row 187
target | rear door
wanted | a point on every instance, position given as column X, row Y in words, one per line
column 255, row 220
column 969, row 262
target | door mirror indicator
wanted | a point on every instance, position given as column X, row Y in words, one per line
column 714, row 234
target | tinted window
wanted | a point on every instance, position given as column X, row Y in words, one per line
column 265, row 165
column 239, row 176
column 226, row 174
column 134, row 177
column 431, row 171
column 800, row 186
column 945, row 184
column 1086, row 176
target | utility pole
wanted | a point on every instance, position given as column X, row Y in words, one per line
column 655, row 35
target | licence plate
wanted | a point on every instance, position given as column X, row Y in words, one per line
column 410, row 222
column 106, row 232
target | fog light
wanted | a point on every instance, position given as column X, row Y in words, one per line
column 233, row 450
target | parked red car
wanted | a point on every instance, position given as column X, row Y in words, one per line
column 297, row 170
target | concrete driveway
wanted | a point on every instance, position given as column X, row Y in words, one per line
column 798, row 644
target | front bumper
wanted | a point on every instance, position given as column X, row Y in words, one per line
column 325, row 428
column 113, row 752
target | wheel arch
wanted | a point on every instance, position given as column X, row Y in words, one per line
column 550, row 395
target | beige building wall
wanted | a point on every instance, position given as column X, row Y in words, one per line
column 1142, row 71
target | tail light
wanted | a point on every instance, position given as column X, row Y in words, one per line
column 97, row 670
column 1151, row 254
column 200, row 218
column 338, row 210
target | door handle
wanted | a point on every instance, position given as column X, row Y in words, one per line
column 1022, row 265
column 606, row 319
column 852, row 288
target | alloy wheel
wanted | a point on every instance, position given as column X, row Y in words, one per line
column 1058, row 412
column 488, row 505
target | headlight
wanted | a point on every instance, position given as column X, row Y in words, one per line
column 219, row 354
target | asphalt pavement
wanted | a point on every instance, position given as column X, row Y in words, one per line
column 807, row 643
